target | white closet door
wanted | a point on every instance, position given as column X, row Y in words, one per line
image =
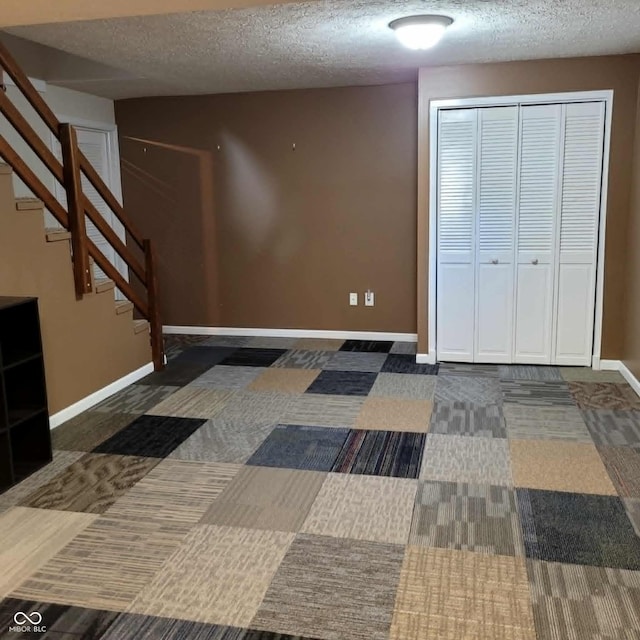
column 579, row 221
column 94, row 145
column 457, row 144
column 497, row 181
column 540, row 141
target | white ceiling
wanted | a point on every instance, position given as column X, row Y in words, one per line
column 325, row 43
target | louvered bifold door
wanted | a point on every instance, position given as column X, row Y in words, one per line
column 94, row 146
column 538, row 204
column 457, row 145
column 495, row 220
column 579, row 220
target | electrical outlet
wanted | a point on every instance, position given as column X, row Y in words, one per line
column 353, row 299
column 369, row 299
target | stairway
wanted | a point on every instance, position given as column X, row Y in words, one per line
column 88, row 343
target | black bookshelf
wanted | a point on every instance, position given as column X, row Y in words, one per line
column 25, row 439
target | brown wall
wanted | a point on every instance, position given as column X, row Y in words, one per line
column 619, row 73
column 86, row 344
column 256, row 234
column 631, row 354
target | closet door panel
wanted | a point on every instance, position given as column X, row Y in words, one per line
column 455, row 313
column 496, row 184
column 457, row 145
column 579, row 223
column 533, row 313
column 575, row 314
column 494, row 318
column 536, row 232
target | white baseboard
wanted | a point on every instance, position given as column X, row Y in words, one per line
column 609, row 365
column 98, row 396
column 630, row 378
column 290, row 333
column 618, row 365
column 426, row 358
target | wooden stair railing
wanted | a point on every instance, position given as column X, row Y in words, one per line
column 75, row 205
column 69, row 174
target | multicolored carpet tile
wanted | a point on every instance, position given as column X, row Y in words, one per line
column 472, row 517
column 450, row 594
column 333, row 588
column 578, row 601
column 300, row 447
column 297, row 489
column 151, row 436
column 576, row 528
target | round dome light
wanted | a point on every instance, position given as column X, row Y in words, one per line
column 420, row 32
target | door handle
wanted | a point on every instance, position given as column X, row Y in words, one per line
column 494, row 261
column 534, row 261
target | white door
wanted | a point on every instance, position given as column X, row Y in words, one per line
column 578, row 241
column 537, row 220
column 457, row 144
column 497, row 182
column 518, row 201
column 94, row 143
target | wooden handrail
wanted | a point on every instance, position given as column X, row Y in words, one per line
column 75, row 204
column 105, row 193
column 33, row 182
column 112, row 238
column 34, row 141
column 23, row 83
column 157, row 345
column 111, row 272
column 69, row 174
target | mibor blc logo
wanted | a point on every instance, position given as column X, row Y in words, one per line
column 28, row 622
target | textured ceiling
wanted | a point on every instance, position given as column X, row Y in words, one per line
column 329, row 43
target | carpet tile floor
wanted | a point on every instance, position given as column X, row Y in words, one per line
column 223, row 377
column 300, row 447
column 363, row 508
column 381, row 453
column 298, row 489
column 394, row 414
column 453, row 594
column 526, row 422
column 266, row 498
column 453, row 515
column 223, row 440
column 151, row 436
column 92, row 484
column 617, row 428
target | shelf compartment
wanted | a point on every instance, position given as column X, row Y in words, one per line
column 25, row 438
column 19, row 333
column 6, row 469
column 4, row 424
column 25, row 391
column 19, row 361
column 30, row 445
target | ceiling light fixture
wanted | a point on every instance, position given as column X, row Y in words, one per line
column 420, row 32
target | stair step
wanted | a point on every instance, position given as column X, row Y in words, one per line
column 124, row 306
column 103, row 285
column 57, row 235
column 5, row 169
column 28, row 204
column 140, row 325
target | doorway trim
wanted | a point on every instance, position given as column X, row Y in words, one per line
column 113, row 148
column 435, row 106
